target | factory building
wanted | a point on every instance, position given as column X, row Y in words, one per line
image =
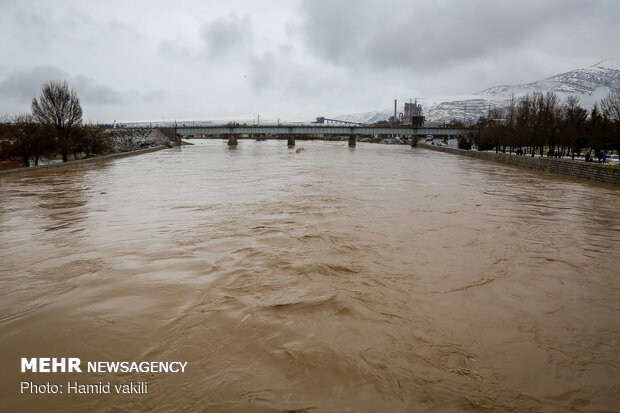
column 413, row 114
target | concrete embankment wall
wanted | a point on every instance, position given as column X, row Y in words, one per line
column 82, row 161
column 590, row 171
column 170, row 133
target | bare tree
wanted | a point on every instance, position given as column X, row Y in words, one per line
column 550, row 116
column 59, row 106
column 525, row 122
column 610, row 105
column 29, row 138
column 573, row 125
column 611, row 111
column 511, row 123
column 92, row 140
column 6, row 140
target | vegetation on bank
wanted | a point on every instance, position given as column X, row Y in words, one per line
column 53, row 128
column 541, row 123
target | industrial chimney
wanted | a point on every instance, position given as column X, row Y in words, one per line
column 394, row 111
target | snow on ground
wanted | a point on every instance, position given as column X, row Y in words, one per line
column 131, row 139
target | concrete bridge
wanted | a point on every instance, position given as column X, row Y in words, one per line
column 232, row 132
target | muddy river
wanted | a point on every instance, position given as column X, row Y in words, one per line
column 328, row 279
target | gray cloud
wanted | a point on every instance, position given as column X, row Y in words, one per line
column 279, row 73
column 262, row 71
column 150, row 96
column 427, row 35
column 224, row 35
column 23, row 86
column 18, row 89
column 217, row 58
column 92, row 92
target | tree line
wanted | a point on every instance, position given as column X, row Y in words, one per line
column 54, row 127
column 542, row 123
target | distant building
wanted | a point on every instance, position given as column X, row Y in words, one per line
column 413, row 114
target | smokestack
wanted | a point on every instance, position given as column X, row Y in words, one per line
column 394, row 111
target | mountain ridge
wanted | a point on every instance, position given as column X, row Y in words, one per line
column 589, row 84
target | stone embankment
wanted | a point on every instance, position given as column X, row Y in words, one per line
column 134, row 139
column 591, row 171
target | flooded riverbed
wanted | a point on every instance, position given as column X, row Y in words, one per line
column 374, row 279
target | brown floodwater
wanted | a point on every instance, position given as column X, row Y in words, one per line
column 374, row 279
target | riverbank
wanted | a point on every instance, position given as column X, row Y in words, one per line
column 589, row 171
column 82, row 161
column 125, row 142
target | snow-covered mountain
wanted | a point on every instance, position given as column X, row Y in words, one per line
column 366, row 117
column 437, row 109
column 589, row 81
column 590, row 84
column 467, row 109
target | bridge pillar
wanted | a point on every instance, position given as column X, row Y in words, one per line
column 232, row 140
column 291, row 140
column 352, row 141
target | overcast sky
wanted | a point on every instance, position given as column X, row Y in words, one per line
column 294, row 60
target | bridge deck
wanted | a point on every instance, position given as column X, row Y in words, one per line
column 315, row 130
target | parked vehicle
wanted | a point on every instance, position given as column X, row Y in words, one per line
column 613, row 159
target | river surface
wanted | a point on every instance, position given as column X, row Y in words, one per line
column 374, row 279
